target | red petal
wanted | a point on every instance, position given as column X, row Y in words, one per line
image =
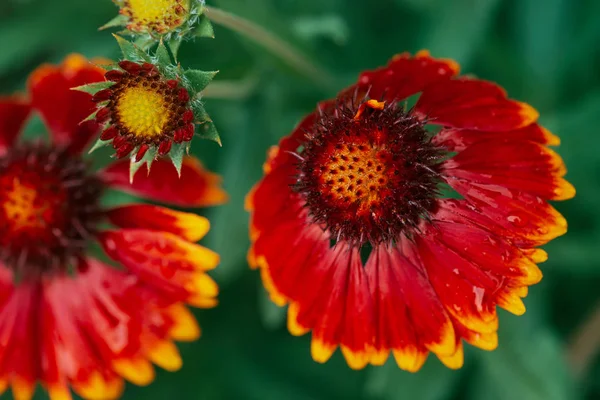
column 349, row 298
column 102, row 95
column 19, row 357
column 460, row 139
column 165, row 147
column 189, row 226
column 106, row 322
column 524, row 218
column 196, row 188
column 184, row 96
column 188, row 116
column 109, row 133
column 166, row 262
column 276, row 198
column 465, row 290
column 473, row 104
column 409, row 315
column 124, row 150
column 336, row 305
column 406, row 75
column 520, row 165
column 61, row 108
column 130, row 66
column 14, row 112
column 501, row 260
column 141, row 152
column 283, row 261
column 103, row 115
column 86, row 322
column 114, row 75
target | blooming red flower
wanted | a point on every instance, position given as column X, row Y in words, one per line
column 67, row 318
column 395, row 228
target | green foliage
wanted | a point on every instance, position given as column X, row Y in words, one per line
column 543, row 52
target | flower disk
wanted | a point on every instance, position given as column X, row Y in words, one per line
column 369, row 174
column 159, row 16
column 48, row 207
column 144, row 110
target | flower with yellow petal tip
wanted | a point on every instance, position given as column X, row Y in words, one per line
column 396, row 229
column 69, row 321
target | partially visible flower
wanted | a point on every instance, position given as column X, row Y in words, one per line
column 150, row 108
column 68, row 319
column 389, row 228
column 164, row 18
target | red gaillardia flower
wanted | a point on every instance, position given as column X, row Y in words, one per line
column 67, row 317
column 395, row 228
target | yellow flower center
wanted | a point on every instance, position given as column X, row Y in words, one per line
column 356, row 173
column 23, row 207
column 143, row 111
column 156, row 15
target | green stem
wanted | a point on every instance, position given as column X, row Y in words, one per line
column 584, row 346
column 231, row 90
column 290, row 55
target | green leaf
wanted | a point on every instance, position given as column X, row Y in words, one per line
column 147, row 160
column 119, row 20
column 162, row 54
column 529, row 364
column 174, row 45
column 131, row 51
column 90, row 117
column 178, row 151
column 208, row 131
column 99, row 144
column 433, row 382
column 93, row 88
column 204, row 28
column 199, row 79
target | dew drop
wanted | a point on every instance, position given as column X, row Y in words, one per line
column 479, row 292
column 513, row 219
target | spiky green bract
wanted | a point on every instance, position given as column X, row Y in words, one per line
column 147, row 160
column 196, row 24
column 194, row 81
column 93, row 88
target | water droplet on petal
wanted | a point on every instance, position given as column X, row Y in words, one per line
column 479, row 292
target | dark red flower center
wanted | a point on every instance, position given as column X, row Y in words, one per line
column 48, row 208
column 369, row 173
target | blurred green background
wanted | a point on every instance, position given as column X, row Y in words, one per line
column 545, row 52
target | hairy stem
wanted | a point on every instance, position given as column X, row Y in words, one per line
column 285, row 51
column 232, row 90
column 584, row 345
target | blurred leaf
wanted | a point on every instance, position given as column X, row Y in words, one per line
column 528, row 364
column 459, row 27
column 433, row 382
column 542, row 33
column 328, row 26
column 272, row 316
